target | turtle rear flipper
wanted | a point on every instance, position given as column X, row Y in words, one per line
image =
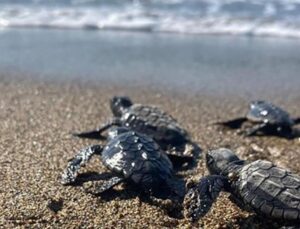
column 107, row 185
column 178, row 161
column 176, row 189
column 200, row 198
column 169, row 198
column 271, row 130
column 187, row 153
column 233, row 124
column 195, row 149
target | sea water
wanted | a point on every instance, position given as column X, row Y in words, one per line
column 246, row 17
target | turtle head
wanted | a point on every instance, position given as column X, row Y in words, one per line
column 218, row 160
column 118, row 104
column 115, row 131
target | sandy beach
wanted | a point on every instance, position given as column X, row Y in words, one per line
column 36, row 121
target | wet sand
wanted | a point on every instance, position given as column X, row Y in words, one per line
column 36, row 119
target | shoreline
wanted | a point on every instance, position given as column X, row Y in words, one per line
column 254, row 68
column 36, row 145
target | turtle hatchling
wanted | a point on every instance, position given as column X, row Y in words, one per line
column 267, row 119
column 258, row 186
column 152, row 121
column 132, row 157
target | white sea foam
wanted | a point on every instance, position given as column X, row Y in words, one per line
column 236, row 17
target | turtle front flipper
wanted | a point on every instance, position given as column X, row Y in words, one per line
column 233, row 124
column 201, row 196
column 107, row 185
column 70, row 173
column 96, row 134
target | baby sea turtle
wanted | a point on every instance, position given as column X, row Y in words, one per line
column 267, row 119
column 132, row 157
column 259, row 186
column 153, row 122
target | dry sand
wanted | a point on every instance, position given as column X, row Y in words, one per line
column 36, row 119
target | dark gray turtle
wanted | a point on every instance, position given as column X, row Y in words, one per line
column 153, row 122
column 132, row 157
column 266, row 118
column 259, row 186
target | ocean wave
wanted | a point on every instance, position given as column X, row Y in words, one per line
column 235, row 17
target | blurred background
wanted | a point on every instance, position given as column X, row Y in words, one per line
column 200, row 45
